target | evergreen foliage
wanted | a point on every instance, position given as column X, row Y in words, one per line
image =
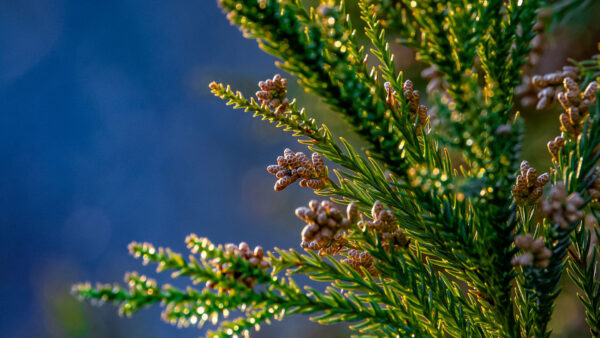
column 427, row 247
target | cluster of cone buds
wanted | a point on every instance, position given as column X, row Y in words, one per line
column 360, row 259
column 529, row 186
column 562, row 209
column 297, row 166
column 576, row 105
column 594, row 189
column 273, row 94
column 324, row 223
column 385, row 224
column 536, row 251
column 549, row 85
column 255, row 257
column 555, row 146
column 413, row 98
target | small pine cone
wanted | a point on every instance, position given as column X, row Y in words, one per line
column 542, row 180
column 575, row 200
column 584, row 106
column 523, row 260
column 531, row 177
column 254, row 261
column 282, row 107
column 422, row 115
column 573, row 98
column 574, row 115
column 283, row 173
column 303, row 172
column 536, row 245
column 553, row 78
column 315, row 184
column 539, row 81
column 352, row 213
column 355, row 265
column 306, row 214
column 400, row 239
column 319, row 165
column 386, row 217
column 327, row 205
column 303, row 183
column 309, row 231
column 325, row 234
column 243, row 247
column 259, row 252
column 322, row 218
column 523, row 242
column 366, row 259
column 414, row 101
column 546, row 92
column 562, row 209
column 521, row 186
column 590, row 92
column 524, row 167
column 288, row 153
column 283, row 182
column 377, row 207
column 303, row 160
column 408, row 86
column 274, row 169
column 335, row 214
column 354, row 255
column 562, row 98
column 566, row 124
column 282, row 161
column 535, row 195
column 230, row 248
column 555, row 146
column 571, row 69
column 357, row 260
column 571, row 85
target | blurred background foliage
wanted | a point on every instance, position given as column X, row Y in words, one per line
column 108, row 134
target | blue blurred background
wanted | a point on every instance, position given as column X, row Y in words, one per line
column 108, row 134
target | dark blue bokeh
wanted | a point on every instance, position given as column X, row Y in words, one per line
column 108, row 133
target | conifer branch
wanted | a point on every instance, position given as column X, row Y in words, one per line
column 280, row 297
column 425, row 248
column 539, row 287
